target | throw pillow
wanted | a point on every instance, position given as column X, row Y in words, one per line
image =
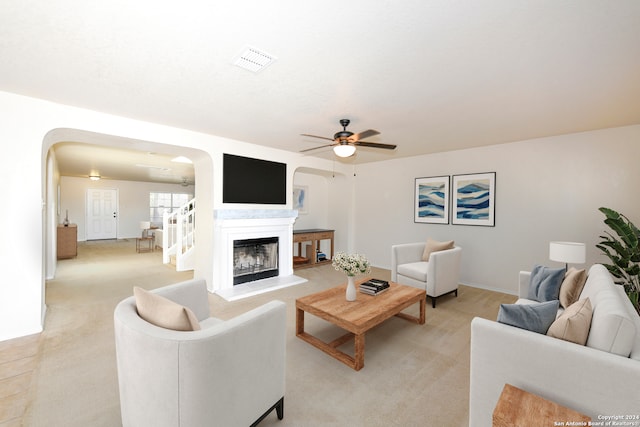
column 532, row 317
column 435, row 246
column 545, row 283
column 571, row 287
column 163, row 312
column 574, row 323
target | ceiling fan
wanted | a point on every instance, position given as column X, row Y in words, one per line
column 345, row 142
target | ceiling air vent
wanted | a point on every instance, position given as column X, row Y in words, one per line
column 253, row 59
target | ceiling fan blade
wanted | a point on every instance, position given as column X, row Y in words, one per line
column 365, row 134
column 316, row 136
column 375, row 145
column 315, row 148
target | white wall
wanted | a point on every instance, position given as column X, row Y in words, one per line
column 317, row 197
column 317, row 206
column 546, row 189
column 51, row 215
column 133, row 201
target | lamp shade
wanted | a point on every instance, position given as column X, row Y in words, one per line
column 344, row 150
column 567, row 252
column 145, row 225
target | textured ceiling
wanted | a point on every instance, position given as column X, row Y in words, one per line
column 429, row 75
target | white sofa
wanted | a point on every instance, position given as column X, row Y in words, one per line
column 229, row 373
column 599, row 379
column 439, row 276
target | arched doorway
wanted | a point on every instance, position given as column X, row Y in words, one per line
column 202, row 165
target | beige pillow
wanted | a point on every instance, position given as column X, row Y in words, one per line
column 574, row 323
column 571, row 287
column 435, row 246
column 163, row 312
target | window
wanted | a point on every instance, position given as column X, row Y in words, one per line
column 159, row 203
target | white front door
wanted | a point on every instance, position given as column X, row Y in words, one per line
column 102, row 214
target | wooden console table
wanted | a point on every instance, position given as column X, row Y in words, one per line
column 313, row 236
column 517, row 407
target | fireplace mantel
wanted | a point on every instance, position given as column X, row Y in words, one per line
column 240, row 224
column 231, row 214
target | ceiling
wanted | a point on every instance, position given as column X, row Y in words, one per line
column 82, row 160
column 430, row 75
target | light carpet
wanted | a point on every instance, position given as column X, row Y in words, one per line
column 414, row 375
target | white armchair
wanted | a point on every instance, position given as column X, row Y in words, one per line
column 229, row 373
column 438, row 276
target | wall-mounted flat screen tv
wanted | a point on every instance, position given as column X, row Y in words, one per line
column 247, row 180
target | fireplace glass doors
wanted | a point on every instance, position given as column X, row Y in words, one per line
column 254, row 259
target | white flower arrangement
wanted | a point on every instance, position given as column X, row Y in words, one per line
column 351, row 264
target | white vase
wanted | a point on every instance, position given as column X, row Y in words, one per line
column 351, row 288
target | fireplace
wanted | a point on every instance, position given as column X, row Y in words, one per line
column 231, row 225
column 254, row 259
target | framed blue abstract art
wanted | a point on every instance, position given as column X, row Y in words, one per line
column 475, row 196
column 300, row 193
column 432, row 200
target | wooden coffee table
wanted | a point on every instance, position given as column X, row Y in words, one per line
column 357, row 316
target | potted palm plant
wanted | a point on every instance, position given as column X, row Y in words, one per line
column 623, row 250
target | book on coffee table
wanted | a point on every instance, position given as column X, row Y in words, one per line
column 372, row 292
column 374, row 286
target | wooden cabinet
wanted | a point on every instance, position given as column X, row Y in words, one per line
column 311, row 239
column 67, row 241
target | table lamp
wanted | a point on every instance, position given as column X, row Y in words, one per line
column 567, row 252
column 145, row 226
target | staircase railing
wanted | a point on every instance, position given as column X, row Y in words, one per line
column 178, row 236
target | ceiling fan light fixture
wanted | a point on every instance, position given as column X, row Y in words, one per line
column 344, row 150
column 344, row 142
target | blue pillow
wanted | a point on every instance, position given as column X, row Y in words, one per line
column 532, row 317
column 545, row 283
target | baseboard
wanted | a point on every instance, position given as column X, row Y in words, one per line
column 489, row 288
